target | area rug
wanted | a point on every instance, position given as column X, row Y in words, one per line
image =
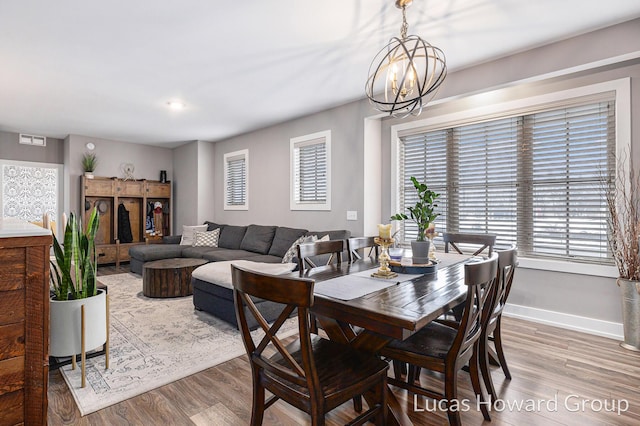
column 153, row 342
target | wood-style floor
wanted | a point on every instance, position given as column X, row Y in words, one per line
column 560, row 377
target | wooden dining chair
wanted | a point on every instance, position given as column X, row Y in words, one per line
column 313, row 374
column 457, row 241
column 438, row 347
column 491, row 329
column 308, row 250
column 366, row 245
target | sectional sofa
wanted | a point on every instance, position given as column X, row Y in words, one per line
column 256, row 243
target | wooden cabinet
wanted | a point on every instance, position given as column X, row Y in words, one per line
column 138, row 199
column 24, row 323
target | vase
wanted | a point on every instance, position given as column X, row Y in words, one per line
column 420, row 250
column 66, row 333
column 630, row 313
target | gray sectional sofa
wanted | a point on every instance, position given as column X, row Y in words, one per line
column 257, row 243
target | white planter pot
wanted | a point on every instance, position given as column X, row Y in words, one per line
column 420, row 251
column 630, row 313
column 65, row 324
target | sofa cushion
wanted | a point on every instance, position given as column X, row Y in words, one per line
column 219, row 273
column 258, row 238
column 188, row 233
column 197, row 252
column 283, row 239
column 147, row 253
column 266, row 258
column 228, row 254
column 231, row 236
column 211, row 225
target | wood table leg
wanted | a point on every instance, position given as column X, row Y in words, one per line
column 370, row 342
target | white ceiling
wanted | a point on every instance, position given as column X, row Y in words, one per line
column 107, row 68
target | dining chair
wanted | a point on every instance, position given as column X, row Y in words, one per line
column 366, row 245
column 444, row 349
column 491, row 329
column 313, row 374
column 308, row 250
column 458, row 241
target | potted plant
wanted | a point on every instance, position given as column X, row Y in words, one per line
column 623, row 203
column 73, row 285
column 89, row 163
column 423, row 214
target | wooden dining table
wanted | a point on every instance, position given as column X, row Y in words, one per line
column 369, row 322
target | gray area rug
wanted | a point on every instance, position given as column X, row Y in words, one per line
column 153, row 342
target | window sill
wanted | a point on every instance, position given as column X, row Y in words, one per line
column 568, row 267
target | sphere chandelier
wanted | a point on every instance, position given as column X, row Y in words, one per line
column 405, row 75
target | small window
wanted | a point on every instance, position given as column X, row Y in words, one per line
column 236, row 180
column 311, row 172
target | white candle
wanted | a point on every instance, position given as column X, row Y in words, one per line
column 384, row 231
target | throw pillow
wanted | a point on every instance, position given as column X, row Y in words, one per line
column 188, row 233
column 207, row 238
column 293, row 250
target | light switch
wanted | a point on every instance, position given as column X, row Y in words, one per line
column 352, row 215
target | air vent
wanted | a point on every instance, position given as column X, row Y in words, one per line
column 33, row 140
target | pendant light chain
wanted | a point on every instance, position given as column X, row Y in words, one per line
column 405, row 26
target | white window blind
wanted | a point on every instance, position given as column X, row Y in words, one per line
column 534, row 180
column 236, row 180
column 310, row 172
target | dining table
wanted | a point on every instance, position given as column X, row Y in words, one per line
column 367, row 313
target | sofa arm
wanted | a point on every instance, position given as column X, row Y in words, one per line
column 172, row 239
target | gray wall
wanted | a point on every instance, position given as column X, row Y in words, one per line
column 10, row 149
column 185, row 186
column 570, row 300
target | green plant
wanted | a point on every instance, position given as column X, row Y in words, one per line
column 89, row 161
column 423, row 213
column 623, row 203
column 73, row 274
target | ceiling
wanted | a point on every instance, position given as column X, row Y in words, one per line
column 107, row 69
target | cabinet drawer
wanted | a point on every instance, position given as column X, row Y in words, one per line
column 12, row 306
column 130, row 188
column 98, row 187
column 158, row 190
column 106, row 254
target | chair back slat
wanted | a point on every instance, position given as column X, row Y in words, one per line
column 507, row 262
column 479, row 277
column 307, row 250
column 354, row 244
column 292, row 293
column 456, row 240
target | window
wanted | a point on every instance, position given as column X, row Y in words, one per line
column 310, row 172
column 236, row 180
column 533, row 179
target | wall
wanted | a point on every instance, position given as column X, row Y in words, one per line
column 10, row 149
column 148, row 161
column 570, row 300
column 185, row 187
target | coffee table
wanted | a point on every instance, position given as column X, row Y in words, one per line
column 169, row 277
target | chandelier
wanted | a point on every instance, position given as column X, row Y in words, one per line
column 405, row 75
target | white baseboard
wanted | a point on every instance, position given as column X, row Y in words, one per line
column 598, row 327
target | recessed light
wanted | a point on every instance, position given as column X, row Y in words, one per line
column 176, row 105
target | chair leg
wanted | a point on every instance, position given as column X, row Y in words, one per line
column 357, row 403
column 497, row 340
column 399, row 369
column 484, row 367
column 257, row 413
column 475, row 381
column 451, row 395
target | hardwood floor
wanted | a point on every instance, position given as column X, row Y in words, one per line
column 560, row 377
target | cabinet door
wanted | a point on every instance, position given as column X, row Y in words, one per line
column 158, row 190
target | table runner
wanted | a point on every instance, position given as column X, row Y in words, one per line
column 362, row 283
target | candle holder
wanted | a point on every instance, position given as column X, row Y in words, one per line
column 384, row 258
column 432, row 247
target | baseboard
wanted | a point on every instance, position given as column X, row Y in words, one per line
column 597, row 327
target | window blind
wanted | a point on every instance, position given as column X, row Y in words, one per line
column 535, row 179
column 236, row 181
column 310, row 172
